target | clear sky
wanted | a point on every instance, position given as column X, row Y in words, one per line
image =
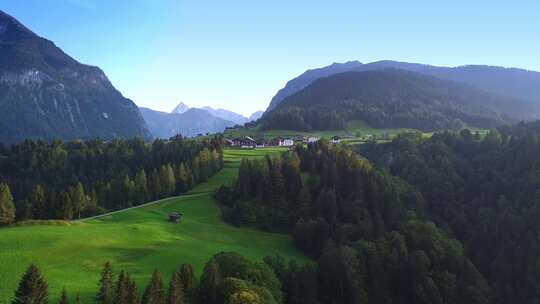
column 237, row 54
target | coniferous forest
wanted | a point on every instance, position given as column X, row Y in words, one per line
column 71, row 180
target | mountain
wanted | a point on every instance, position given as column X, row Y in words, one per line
column 256, row 115
column 180, row 108
column 227, row 115
column 190, row 123
column 510, row 82
column 45, row 94
column 394, row 98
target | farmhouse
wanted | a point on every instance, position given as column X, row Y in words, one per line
column 175, row 217
column 243, row 142
column 335, row 139
column 288, row 142
column 312, row 139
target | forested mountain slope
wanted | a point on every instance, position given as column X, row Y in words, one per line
column 485, row 193
column 510, row 82
column 394, row 98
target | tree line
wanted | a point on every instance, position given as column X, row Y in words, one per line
column 228, row 278
column 369, row 232
column 71, row 180
column 484, row 190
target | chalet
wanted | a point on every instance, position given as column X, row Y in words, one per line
column 260, row 143
column 277, row 141
column 312, row 139
column 229, row 142
column 288, row 142
column 243, row 142
column 175, row 217
column 335, row 139
column 299, row 138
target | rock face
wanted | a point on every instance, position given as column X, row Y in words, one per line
column 227, row 115
column 190, row 123
column 510, row 82
column 46, row 94
column 256, row 115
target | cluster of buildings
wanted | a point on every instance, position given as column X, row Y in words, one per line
column 249, row 142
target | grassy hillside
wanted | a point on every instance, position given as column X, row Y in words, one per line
column 136, row 240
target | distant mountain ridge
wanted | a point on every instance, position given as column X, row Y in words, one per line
column 46, row 94
column 189, row 123
column 180, row 108
column 220, row 113
column 393, row 98
column 510, row 82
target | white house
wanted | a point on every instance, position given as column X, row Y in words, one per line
column 287, row 142
column 312, row 139
column 335, row 140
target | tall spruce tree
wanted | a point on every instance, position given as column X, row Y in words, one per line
column 106, row 288
column 37, row 201
column 210, row 280
column 64, row 297
column 133, row 293
column 189, row 281
column 32, row 288
column 78, row 198
column 155, row 291
column 7, row 206
column 121, row 294
column 141, row 187
column 176, row 294
column 78, row 299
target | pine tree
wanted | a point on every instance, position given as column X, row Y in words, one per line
column 141, row 187
column 155, row 291
column 37, row 201
column 66, row 207
column 64, row 297
column 122, row 289
column 78, row 198
column 168, row 181
column 78, row 299
column 189, row 282
column 7, row 206
column 106, row 289
column 176, row 294
column 155, row 185
column 133, row 293
column 32, row 288
column 182, row 179
column 210, row 281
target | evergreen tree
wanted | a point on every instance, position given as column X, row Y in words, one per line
column 182, row 179
column 122, row 288
column 32, row 288
column 141, row 187
column 7, row 206
column 155, row 185
column 66, row 207
column 189, row 281
column 155, row 291
column 64, row 297
column 176, row 294
column 106, row 289
column 168, row 181
column 37, row 201
column 79, row 200
column 133, row 293
column 210, row 281
column 78, row 299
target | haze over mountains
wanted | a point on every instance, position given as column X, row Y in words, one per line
column 45, row 94
column 192, row 121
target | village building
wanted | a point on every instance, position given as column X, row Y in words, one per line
column 175, row 217
column 312, row 139
column 288, row 142
column 335, row 139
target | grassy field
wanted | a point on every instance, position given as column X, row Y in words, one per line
column 136, row 240
column 356, row 129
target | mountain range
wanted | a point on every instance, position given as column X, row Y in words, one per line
column 509, row 82
column 192, row 121
column 46, row 94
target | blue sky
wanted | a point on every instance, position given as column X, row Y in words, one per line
column 237, row 54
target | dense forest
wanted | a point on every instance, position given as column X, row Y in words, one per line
column 392, row 99
column 484, row 192
column 369, row 232
column 71, row 180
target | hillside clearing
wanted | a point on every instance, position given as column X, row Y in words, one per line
column 136, row 240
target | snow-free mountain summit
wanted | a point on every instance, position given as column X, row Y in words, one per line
column 46, row 94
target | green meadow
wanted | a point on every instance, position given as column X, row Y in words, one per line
column 72, row 254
